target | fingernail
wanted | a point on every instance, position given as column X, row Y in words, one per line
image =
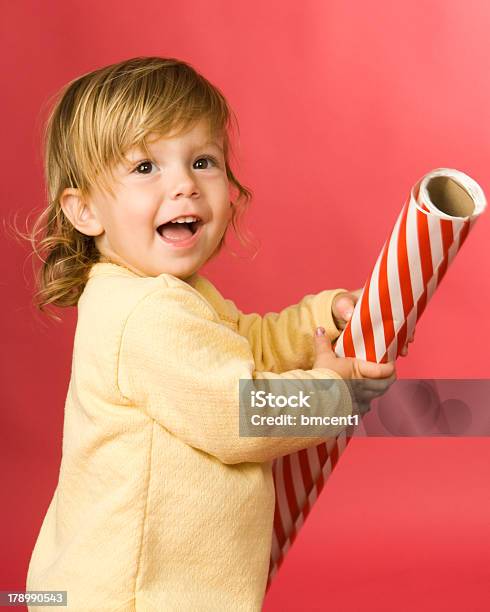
column 320, row 331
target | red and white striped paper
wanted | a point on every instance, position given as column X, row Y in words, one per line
column 412, row 263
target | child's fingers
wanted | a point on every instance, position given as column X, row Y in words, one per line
column 322, row 342
column 321, row 339
column 366, row 395
column 344, row 307
column 366, row 390
column 368, row 369
column 363, row 406
column 377, row 385
column 404, row 351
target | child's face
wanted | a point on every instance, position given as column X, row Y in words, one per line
column 180, row 180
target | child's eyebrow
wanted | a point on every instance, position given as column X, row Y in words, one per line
column 211, row 142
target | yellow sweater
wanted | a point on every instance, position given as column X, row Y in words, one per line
column 160, row 504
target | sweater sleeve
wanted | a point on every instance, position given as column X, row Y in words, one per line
column 283, row 341
column 183, row 366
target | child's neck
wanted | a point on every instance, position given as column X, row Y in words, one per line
column 190, row 280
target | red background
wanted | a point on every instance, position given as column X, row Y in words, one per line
column 342, row 106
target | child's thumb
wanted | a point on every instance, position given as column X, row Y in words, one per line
column 322, row 341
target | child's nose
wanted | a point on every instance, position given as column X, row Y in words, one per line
column 183, row 184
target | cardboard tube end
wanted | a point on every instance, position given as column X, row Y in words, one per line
column 448, row 196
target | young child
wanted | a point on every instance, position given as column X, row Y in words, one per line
column 161, row 505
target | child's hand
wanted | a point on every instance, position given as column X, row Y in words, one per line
column 404, row 351
column 372, row 379
column 343, row 307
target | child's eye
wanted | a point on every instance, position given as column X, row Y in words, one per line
column 208, row 158
column 144, row 165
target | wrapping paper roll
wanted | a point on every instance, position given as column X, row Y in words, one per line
column 432, row 226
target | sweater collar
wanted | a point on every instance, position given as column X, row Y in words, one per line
column 199, row 283
column 106, row 267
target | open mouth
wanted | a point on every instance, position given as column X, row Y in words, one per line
column 179, row 231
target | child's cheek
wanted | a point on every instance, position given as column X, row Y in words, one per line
column 137, row 213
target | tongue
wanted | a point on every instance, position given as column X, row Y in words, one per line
column 176, row 231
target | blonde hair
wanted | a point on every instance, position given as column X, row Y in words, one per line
column 95, row 120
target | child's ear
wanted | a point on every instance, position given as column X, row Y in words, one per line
column 82, row 214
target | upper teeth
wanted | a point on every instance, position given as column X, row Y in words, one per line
column 184, row 220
